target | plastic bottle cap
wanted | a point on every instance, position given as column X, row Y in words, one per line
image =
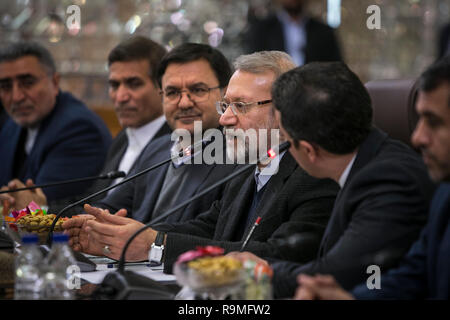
column 30, row 239
column 60, row 237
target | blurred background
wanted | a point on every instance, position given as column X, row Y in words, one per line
column 406, row 43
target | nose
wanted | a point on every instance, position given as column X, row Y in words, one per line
column 17, row 93
column 122, row 94
column 228, row 118
column 185, row 101
column 420, row 136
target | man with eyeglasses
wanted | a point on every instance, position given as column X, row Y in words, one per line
column 192, row 77
column 50, row 135
column 326, row 114
column 284, row 196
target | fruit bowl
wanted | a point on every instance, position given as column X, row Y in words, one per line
column 209, row 273
column 32, row 220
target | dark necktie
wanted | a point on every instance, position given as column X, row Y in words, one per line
column 252, row 213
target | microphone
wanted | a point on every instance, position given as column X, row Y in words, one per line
column 182, row 153
column 115, row 283
column 109, row 175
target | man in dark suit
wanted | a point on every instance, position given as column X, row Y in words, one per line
column 50, row 136
column 385, row 191
column 193, row 77
column 424, row 273
column 134, row 91
column 287, row 199
column 289, row 29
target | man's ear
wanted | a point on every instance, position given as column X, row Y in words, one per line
column 55, row 80
column 309, row 150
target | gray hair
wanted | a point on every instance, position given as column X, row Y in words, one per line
column 262, row 61
column 16, row 50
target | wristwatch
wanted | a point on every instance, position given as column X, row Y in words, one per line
column 156, row 251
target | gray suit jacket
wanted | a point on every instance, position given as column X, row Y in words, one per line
column 293, row 203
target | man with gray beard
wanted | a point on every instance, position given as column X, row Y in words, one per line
column 283, row 195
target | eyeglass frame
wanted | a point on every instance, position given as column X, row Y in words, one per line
column 235, row 109
column 188, row 93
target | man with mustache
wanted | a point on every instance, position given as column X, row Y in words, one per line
column 287, row 199
column 192, row 78
column 134, row 91
column 50, row 136
column 424, row 273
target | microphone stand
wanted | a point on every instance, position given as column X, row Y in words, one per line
column 179, row 155
column 110, row 175
column 129, row 285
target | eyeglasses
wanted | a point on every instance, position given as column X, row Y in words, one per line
column 26, row 82
column 238, row 107
column 195, row 94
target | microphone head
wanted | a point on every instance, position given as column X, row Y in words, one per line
column 114, row 175
column 284, row 146
column 190, row 150
column 274, row 152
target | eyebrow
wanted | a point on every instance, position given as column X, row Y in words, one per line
column 125, row 79
column 238, row 99
column 431, row 115
column 20, row 76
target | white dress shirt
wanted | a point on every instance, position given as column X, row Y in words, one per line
column 31, row 139
column 138, row 138
column 344, row 175
column 263, row 176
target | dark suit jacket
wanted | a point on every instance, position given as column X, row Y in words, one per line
column 293, row 203
column 425, row 271
column 72, row 142
column 115, row 153
column 3, row 116
column 267, row 34
column 379, row 213
column 139, row 196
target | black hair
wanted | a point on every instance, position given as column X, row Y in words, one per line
column 325, row 104
column 188, row 52
column 435, row 75
column 16, row 50
column 139, row 48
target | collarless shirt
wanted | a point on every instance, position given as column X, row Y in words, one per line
column 138, row 138
column 263, row 176
column 31, row 139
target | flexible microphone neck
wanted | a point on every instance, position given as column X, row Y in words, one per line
column 109, row 175
column 270, row 154
column 180, row 154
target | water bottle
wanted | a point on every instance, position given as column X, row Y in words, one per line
column 28, row 281
column 60, row 265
